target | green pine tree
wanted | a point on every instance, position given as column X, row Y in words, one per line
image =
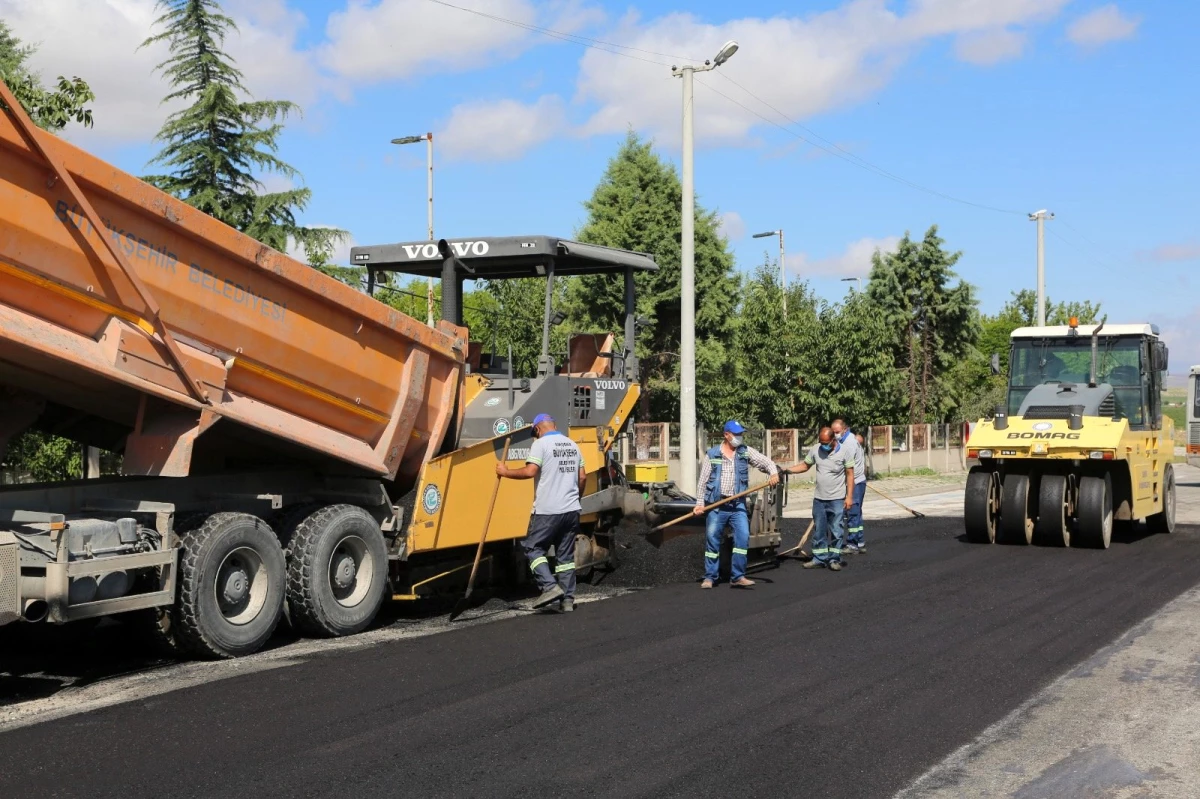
column 215, row 147
column 637, row 206
column 932, row 322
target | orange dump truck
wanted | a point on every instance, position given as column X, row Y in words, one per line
column 277, row 427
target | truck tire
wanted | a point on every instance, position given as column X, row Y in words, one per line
column 981, row 505
column 1164, row 521
column 1095, row 512
column 230, row 586
column 337, row 572
column 1052, row 527
column 1016, row 510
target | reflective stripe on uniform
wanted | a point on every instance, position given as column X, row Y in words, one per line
column 713, row 555
column 855, row 530
column 533, row 564
column 737, row 551
column 564, row 567
column 821, row 551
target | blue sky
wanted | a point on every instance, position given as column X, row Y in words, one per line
column 1083, row 107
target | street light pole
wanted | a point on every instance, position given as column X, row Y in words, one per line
column 428, row 139
column 782, row 264
column 688, row 451
column 1040, row 217
column 848, row 279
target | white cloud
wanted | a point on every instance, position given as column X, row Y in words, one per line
column 99, row 41
column 393, row 39
column 1179, row 333
column 1105, row 24
column 1170, row 253
column 854, row 261
column 991, row 47
column 501, row 130
column 801, row 65
column 732, row 226
column 339, row 257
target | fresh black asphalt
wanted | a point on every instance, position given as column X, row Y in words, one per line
column 812, row 684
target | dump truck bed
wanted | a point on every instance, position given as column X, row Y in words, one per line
column 285, row 363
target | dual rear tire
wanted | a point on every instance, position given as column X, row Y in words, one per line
column 235, row 578
column 1020, row 510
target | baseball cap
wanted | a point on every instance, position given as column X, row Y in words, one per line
column 542, row 417
column 734, row 427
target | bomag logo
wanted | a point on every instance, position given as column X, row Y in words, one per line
column 1043, row 436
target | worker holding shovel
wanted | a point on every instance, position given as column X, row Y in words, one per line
column 556, row 463
column 726, row 473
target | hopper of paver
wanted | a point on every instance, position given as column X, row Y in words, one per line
column 129, row 319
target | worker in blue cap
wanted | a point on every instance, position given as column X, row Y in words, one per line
column 726, row 473
column 556, row 463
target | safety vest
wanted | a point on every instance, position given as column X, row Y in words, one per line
column 716, row 459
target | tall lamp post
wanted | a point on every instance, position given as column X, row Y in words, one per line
column 428, row 139
column 849, row 279
column 782, row 268
column 1040, row 217
column 688, row 453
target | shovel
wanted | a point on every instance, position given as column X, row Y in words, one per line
column 465, row 603
column 915, row 513
column 787, row 553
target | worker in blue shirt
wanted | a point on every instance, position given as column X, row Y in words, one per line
column 726, row 473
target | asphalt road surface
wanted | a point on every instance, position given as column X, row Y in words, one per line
column 814, row 683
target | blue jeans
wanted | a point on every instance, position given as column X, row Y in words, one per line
column 733, row 514
column 854, row 519
column 827, row 539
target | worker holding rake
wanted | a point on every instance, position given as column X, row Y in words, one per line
column 726, row 473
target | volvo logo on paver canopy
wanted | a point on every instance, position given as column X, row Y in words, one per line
column 430, row 250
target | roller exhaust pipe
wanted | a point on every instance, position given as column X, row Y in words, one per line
column 35, row 610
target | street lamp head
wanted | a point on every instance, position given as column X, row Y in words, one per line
column 726, row 52
column 408, row 140
column 764, row 235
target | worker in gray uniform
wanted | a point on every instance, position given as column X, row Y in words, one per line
column 853, row 517
column 556, row 463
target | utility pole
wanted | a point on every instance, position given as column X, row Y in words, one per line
column 1040, row 217
column 689, row 454
column 782, row 267
column 428, row 139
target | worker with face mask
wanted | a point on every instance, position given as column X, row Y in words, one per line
column 726, row 473
column 856, row 543
column 833, row 495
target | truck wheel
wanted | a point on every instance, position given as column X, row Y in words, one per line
column 337, row 571
column 1052, row 529
column 981, row 505
column 1016, row 510
column 230, row 586
column 1095, row 514
column 1164, row 522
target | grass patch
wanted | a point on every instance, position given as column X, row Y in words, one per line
column 923, row 471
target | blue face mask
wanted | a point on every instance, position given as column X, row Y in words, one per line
column 827, row 448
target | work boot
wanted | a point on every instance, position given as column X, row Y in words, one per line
column 814, row 564
column 567, row 605
column 549, row 596
column 862, row 549
column 836, row 566
column 741, row 582
column 707, row 583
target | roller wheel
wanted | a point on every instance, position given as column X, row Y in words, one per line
column 337, row 572
column 230, row 586
column 981, row 506
column 1164, row 522
column 1016, row 510
column 1095, row 512
column 1052, row 528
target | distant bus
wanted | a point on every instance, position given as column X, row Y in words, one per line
column 1193, row 417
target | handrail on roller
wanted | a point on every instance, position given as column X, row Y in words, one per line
column 32, row 135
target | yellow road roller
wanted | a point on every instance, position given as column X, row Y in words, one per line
column 1080, row 446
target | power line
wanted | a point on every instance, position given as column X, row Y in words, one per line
column 584, row 41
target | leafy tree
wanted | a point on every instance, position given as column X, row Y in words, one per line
column 933, row 322
column 50, row 109
column 215, row 146
column 856, row 378
column 637, row 206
